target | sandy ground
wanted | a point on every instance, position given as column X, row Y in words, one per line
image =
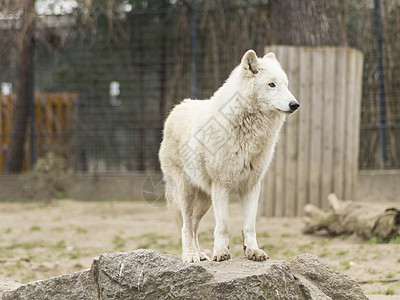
column 38, row 241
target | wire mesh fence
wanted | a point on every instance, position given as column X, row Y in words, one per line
column 129, row 65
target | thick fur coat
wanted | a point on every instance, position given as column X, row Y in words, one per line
column 213, row 148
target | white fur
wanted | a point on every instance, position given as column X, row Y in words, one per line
column 212, row 148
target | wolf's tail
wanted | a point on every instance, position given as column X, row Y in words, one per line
column 170, row 195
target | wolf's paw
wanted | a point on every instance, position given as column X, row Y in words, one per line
column 221, row 255
column 256, row 254
column 203, row 256
column 190, row 257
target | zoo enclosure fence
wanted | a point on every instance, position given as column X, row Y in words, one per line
column 53, row 116
column 126, row 76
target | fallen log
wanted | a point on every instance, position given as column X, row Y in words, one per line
column 365, row 219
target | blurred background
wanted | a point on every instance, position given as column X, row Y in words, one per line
column 92, row 81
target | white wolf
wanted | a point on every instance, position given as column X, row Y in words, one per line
column 212, row 148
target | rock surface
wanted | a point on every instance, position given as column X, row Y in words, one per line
column 6, row 284
column 147, row 274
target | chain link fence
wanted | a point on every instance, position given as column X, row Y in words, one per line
column 129, row 65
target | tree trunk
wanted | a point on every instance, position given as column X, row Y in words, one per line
column 365, row 219
column 15, row 153
column 321, row 23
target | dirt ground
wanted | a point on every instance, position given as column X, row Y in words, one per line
column 38, row 241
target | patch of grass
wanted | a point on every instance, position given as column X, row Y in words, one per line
column 61, row 194
column 270, row 249
column 6, row 253
column 145, row 245
column 342, row 252
column 59, row 245
column 78, row 266
column 395, row 240
column 342, row 236
column 398, row 260
column 57, row 229
column 289, row 253
column 324, row 242
column 325, row 253
column 169, row 246
column 8, row 230
column 237, row 240
column 153, row 236
column 152, row 239
column 305, row 247
column 74, row 255
column 286, row 225
column 28, row 277
column 35, row 228
column 118, row 242
column 389, row 290
column 389, row 275
column 345, row 264
column 263, row 234
column 26, row 246
column 205, row 236
column 81, row 230
column 375, row 240
column 287, row 235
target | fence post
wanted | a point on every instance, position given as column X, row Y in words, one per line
column 381, row 84
column 32, row 133
column 192, row 23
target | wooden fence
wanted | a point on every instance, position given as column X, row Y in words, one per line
column 53, row 118
column 318, row 149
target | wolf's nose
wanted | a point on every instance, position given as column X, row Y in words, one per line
column 294, row 105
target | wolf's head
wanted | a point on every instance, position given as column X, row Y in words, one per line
column 269, row 82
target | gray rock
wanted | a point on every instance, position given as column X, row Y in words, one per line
column 6, row 284
column 310, row 270
column 147, row 274
column 80, row 285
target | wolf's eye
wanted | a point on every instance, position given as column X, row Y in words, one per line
column 272, row 84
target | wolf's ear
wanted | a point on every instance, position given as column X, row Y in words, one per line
column 270, row 55
column 250, row 62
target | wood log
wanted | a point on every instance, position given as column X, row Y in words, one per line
column 364, row 219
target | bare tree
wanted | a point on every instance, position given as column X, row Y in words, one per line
column 15, row 153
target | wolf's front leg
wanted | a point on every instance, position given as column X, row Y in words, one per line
column 250, row 203
column 220, row 201
column 190, row 252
